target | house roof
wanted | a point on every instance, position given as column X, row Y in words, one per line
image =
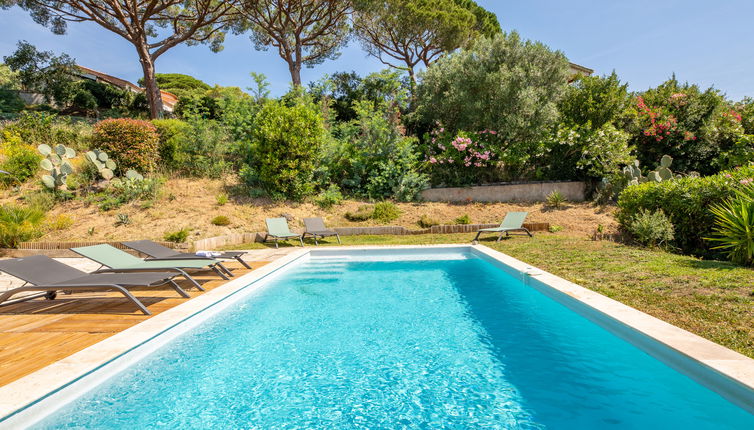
column 169, row 100
column 581, row 69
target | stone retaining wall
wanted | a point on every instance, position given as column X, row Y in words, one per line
column 524, row 192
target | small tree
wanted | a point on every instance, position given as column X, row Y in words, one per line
column 43, row 72
column 151, row 26
column 503, row 85
column 406, row 33
column 305, row 32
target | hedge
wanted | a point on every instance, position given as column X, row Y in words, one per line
column 686, row 201
column 133, row 143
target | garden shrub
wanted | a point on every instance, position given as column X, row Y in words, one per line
column 124, row 190
column 221, row 199
column 10, row 101
column 134, row 144
column 220, row 220
column 178, row 236
column 172, row 133
column 503, row 84
column 734, row 226
column 363, row 213
column 329, row 197
column 461, row 159
column 686, row 202
column 651, row 228
column 556, row 199
column 371, row 157
column 283, row 154
column 36, row 128
column 17, row 158
column 681, row 120
column 60, row 222
column 19, row 224
column 386, row 212
column 205, row 150
column 425, row 221
column 463, row 219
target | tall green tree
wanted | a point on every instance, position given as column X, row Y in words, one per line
column 43, row 72
column 151, row 26
column 305, row 32
column 407, row 33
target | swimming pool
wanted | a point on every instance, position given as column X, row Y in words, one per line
column 410, row 338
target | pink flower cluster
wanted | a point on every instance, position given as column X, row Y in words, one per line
column 461, row 151
column 746, row 181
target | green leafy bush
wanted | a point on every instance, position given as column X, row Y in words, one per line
column 554, row 228
column 197, row 147
column 425, row 221
column 556, row 199
column 371, row 157
column 686, row 202
column 36, row 128
column 386, row 212
column 123, row 190
column 681, row 120
column 19, row 224
column 329, row 197
column 286, row 144
column 222, row 199
column 17, row 158
column 501, row 83
column 178, row 236
column 134, row 144
column 220, row 220
column 363, row 213
column 171, row 132
column 10, row 101
column 651, row 228
column 734, row 226
column 463, row 219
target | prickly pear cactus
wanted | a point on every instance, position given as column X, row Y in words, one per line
column 663, row 172
column 105, row 166
column 56, row 164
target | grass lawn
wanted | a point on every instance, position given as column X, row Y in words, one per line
column 713, row 299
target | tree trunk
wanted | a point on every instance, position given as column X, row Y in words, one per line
column 152, row 92
column 295, row 69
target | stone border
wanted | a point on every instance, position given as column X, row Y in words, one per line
column 211, row 243
column 720, row 369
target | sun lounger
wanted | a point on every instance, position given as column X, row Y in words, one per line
column 316, row 228
column 42, row 273
column 117, row 260
column 277, row 228
column 513, row 222
column 155, row 251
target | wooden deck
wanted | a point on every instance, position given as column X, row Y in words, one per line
column 39, row 332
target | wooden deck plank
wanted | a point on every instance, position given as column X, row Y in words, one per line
column 40, row 332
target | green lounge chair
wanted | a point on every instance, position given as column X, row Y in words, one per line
column 42, row 273
column 120, row 261
column 513, row 221
column 277, row 228
column 316, row 228
column 155, row 251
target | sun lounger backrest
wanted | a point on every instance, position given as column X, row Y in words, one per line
column 40, row 270
column 314, row 224
column 278, row 226
column 514, row 220
column 108, row 256
column 150, row 248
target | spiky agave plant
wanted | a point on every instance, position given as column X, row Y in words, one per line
column 734, row 229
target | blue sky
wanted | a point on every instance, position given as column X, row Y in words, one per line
column 704, row 42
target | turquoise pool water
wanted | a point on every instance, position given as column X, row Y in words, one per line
column 457, row 343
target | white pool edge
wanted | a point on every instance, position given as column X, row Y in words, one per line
column 54, row 384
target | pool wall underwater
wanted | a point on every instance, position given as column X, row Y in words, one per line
column 32, row 398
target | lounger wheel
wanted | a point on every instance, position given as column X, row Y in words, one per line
column 50, row 295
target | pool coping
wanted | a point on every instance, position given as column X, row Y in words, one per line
column 23, row 393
